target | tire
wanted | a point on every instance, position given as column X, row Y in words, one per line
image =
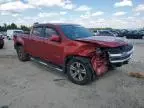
column 22, row 55
column 79, row 72
column 1, row 46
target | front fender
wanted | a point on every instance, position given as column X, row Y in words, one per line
column 86, row 51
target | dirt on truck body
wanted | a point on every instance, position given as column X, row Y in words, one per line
column 74, row 49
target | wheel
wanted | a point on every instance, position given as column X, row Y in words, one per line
column 1, row 46
column 79, row 72
column 8, row 37
column 21, row 54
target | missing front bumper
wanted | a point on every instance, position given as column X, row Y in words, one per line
column 121, row 58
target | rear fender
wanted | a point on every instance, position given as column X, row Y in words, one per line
column 20, row 40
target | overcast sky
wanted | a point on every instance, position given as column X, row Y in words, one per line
column 90, row 13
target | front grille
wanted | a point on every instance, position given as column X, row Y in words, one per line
column 121, row 49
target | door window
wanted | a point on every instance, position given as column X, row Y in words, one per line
column 49, row 32
column 38, row 31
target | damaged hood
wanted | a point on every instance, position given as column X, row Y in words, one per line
column 105, row 41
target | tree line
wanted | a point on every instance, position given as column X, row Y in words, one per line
column 5, row 27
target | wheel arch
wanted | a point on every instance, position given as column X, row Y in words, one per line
column 84, row 60
column 17, row 44
column 81, row 58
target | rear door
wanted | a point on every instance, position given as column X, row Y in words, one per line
column 35, row 41
column 53, row 51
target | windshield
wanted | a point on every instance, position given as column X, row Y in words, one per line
column 75, row 31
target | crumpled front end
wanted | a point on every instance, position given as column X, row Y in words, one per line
column 99, row 63
column 120, row 55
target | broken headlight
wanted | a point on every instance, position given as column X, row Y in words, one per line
column 98, row 51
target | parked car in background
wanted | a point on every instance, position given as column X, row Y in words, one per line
column 11, row 33
column 1, row 41
column 141, row 32
column 104, row 33
column 123, row 32
column 134, row 34
column 119, row 32
column 73, row 49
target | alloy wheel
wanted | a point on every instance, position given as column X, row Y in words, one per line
column 77, row 71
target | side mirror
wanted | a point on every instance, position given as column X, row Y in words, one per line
column 55, row 38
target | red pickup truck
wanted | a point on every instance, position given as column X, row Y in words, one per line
column 73, row 49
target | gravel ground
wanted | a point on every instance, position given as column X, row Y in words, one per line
column 31, row 85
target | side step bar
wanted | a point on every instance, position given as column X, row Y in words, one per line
column 47, row 64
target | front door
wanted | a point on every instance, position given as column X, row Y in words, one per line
column 53, row 51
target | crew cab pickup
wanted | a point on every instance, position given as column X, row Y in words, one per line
column 73, row 49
